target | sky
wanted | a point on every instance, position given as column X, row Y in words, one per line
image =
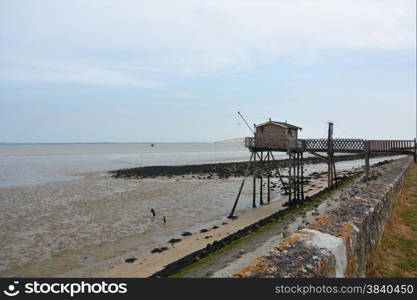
column 179, row 71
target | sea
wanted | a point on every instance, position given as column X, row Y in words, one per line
column 26, row 164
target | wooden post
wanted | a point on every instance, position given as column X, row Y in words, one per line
column 328, row 173
column 293, row 179
column 261, row 181
column 302, row 176
column 254, row 180
column 289, row 179
column 366, row 160
column 297, row 176
column 231, row 215
column 280, row 178
column 269, row 179
column 330, row 155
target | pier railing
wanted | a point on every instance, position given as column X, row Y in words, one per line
column 278, row 144
column 337, row 145
column 391, row 145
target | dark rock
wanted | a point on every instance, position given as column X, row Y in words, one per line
column 173, row 241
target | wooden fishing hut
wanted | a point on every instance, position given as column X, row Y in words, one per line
column 276, row 136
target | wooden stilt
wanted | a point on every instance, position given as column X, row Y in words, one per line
column 330, row 156
column 302, row 176
column 254, row 181
column 269, row 178
column 297, row 176
column 290, row 179
column 366, row 160
column 261, row 202
column 231, row 215
column 328, row 172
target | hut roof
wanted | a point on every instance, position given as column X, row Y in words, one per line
column 282, row 124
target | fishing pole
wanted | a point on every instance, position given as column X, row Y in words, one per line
column 246, row 122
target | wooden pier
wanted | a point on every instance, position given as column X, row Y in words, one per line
column 338, row 145
column 274, row 136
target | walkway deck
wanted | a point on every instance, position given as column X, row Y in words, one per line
column 337, row 145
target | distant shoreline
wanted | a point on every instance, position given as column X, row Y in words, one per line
column 105, row 143
column 235, row 140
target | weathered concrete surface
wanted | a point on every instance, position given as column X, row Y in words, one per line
column 341, row 241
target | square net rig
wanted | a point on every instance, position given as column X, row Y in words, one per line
column 273, row 136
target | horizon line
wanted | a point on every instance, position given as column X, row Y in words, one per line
column 67, row 143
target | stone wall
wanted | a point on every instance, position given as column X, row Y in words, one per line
column 340, row 242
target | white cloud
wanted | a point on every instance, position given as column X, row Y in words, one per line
column 78, row 73
column 117, row 42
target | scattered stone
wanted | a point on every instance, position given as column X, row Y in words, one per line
column 173, row 241
column 85, row 259
column 212, row 171
column 131, row 260
column 186, row 233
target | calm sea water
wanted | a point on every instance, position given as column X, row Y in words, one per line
column 26, row 164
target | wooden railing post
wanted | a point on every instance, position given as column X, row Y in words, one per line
column 366, row 160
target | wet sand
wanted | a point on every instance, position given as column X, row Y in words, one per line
column 99, row 219
column 83, row 226
column 147, row 265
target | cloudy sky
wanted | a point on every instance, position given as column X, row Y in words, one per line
column 168, row 71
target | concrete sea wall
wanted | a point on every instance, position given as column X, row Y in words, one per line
column 340, row 242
